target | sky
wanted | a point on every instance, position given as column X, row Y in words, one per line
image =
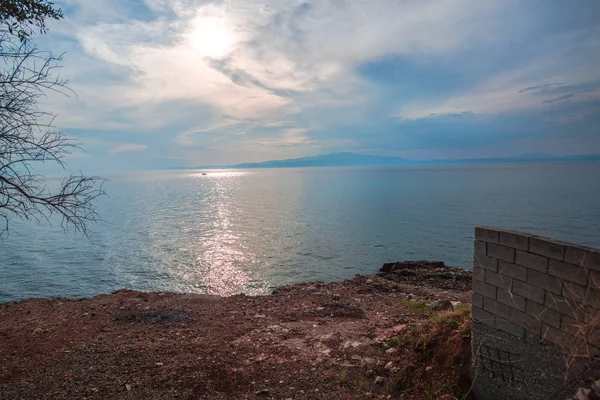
column 175, row 83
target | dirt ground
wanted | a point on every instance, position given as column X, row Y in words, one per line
column 402, row 334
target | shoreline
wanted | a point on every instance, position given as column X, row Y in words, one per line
column 359, row 338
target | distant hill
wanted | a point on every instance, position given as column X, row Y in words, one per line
column 330, row 160
column 363, row 160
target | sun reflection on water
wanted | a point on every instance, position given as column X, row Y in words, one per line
column 223, row 258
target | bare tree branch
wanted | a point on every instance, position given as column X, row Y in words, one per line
column 27, row 137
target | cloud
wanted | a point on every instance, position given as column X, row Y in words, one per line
column 543, row 87
column 128, row 147
column 206, row 81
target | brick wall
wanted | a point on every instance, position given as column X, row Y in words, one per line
column 536, row 303
column 530, row 285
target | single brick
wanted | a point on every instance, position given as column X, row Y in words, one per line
column 532, row 261
column 575, row 255
column 528, row 291
column 567, row 307
column 584, row 295
column 480, row 247
column 568, row 272
column 582, row 257
column 483, row 316
column 477, row 300
column 544, row 281
column 594, row 281
column 510, row 327
column 479, row 273
column 496, row 308
column 514, row 240
column 512, row 270
column 543, row 313
column 546, row 248
column 559, row 338
column 486, row 234
column 485, row 262
column 501, row 252
column 484, row 289
column 501, row 281
column 511, row 299
column 572, row 327
column 592, row 260
column 526, row 321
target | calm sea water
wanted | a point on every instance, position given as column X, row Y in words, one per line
column 247, row 231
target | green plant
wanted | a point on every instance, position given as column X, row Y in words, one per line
column 399, row 340
column 415, row 304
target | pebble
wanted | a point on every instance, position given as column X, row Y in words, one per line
column 391, row 350
column 128, row 387
column 379, row 380
column 37, row 331
column 328, row 338
column 263, row 392
column 389, row 365
column 441, row 305
column 259, row 316
column 349, row 344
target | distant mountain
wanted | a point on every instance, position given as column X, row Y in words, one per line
column 330, row 160
column 363, row 160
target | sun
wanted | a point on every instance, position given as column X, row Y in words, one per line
column 211, row 37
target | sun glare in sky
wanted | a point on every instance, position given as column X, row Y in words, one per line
column 211, row 37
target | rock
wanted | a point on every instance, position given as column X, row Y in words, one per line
column 259, row 316
column 391, row 350
column 128, row 387
column 37, row 331
column 349, row 344
column 399, row 328
column 379, row 380
column 389, row 365
column 441, row 305
column 369, row 280
column 389, row 267
column 329, row 338
column 429, row 368
column 263, row 392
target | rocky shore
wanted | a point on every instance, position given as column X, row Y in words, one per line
column 403, row 333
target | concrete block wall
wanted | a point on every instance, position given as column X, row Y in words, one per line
column 528, row 285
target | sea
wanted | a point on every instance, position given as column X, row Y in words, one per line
column 249, row 231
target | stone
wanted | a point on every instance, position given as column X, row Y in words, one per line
column 379, row 380
column 399, row 328
column 391, row 350
column 329, row 338
column 37, row 331
column 441, row 305
column 349, row 344
column 389, row 365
